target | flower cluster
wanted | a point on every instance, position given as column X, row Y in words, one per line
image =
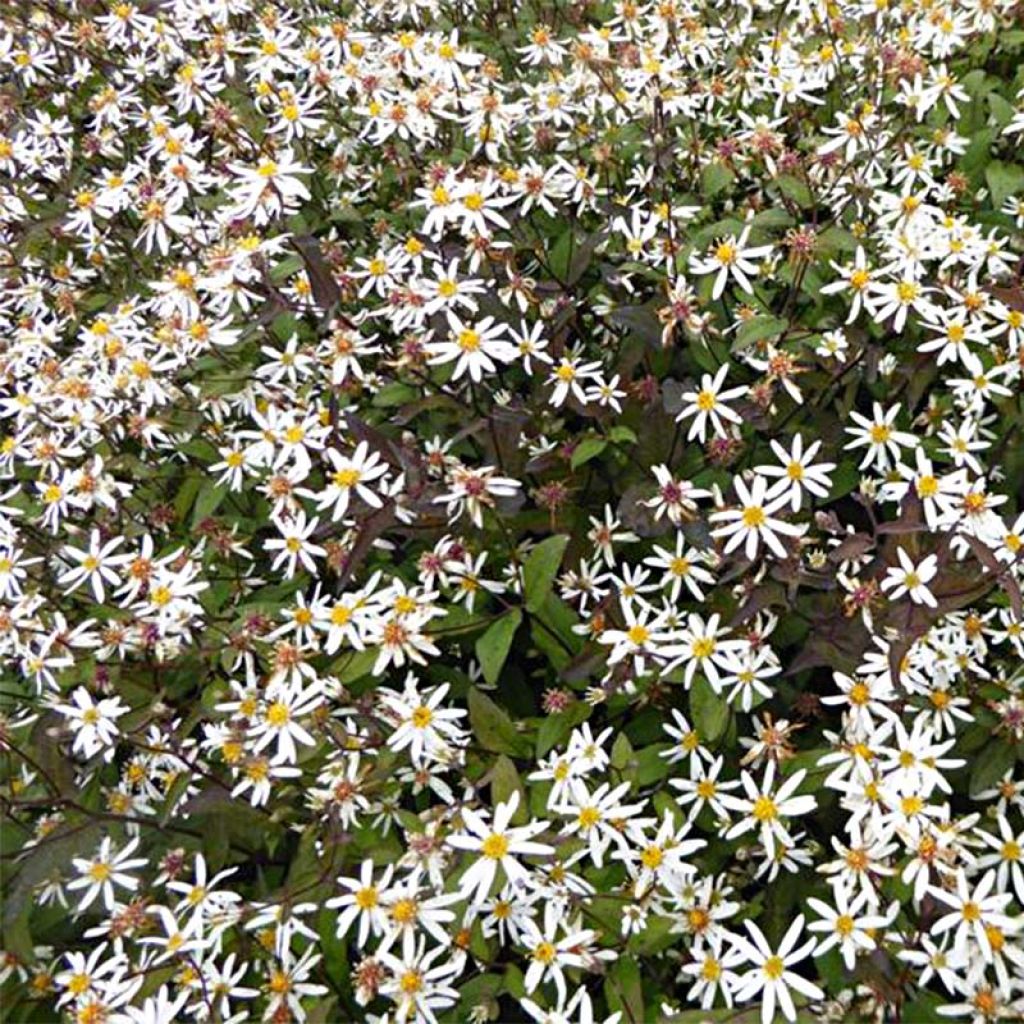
column 512, row 512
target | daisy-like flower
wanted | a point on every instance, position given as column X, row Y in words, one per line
column 764, row 808
column 865, row 697
column 796, row 473
column 278, row 723
column 568, row 378
column 473, row 490
column 473, row 346
column 896, row 298
column 411, row 912
column 643, row 637
column 713, row 973
column 682, row 566
column 108, row 868
column 772, row 976
column 362, row 903
column 200, row 899
column 426, row 728
column 417, row 986
column 973, row 913
column 351, row 474
column 730, row 257
column 605, row 533
column 597, row 817
column 94, row 722
column 911, row 579
column 855, row 279
column 935, row 959
column 844, row 925
column 400, row 639
column 701, row 647
column 753, row 522
column 1007, row 858
column 295, row 545
column 676, row 499
column 709, row 405
column 883, row 441
column 705, row 790
column 269, row 188
column 496, row 845
column 551, row 953
column 288, row 984
column 96, row 565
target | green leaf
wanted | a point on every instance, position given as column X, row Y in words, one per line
column 555, row 729
column 481, row 990
column 622, row 752
column 622, row 435
column 1003, row 180
column 186, row 495
column 560, row 253
column 839, row 239
column 624, row 990
column 715, row 178
column 758, row 329
column 998, row 759
column 650, row 765
column 709, row 711
column 540, row 569
column 795, row 189
column 493, row 647
column 208, row 501
column 353, row 665
column 505, row 781
column 1002, row 110
column 587, row 449
column 492, row 727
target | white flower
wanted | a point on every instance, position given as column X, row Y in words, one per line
column 550, row 954
column 883, row 441
column 277, row 722
column 911, row 579
column 765, row 807
column 973, row 913
column 295, row 544
column 496, row 845
column 771, row 977
column 362, row 903
column 681, row 566
column 105, row 870
column 730, row 257
column 200, row 899
column 98, row 564
column 417, row 987
column 709, row 404
column 426, row 728
column 797, row 474
column 94, row 722
column 351, row 474
column 474, row 346
column 753, row 523
column 844, row 925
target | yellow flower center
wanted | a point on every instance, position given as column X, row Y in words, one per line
column 544, row 953
column 495, row 846
column 278, row 714
column 422, row 717
column 638, row 635
column 764, row 809
column 753, row 517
